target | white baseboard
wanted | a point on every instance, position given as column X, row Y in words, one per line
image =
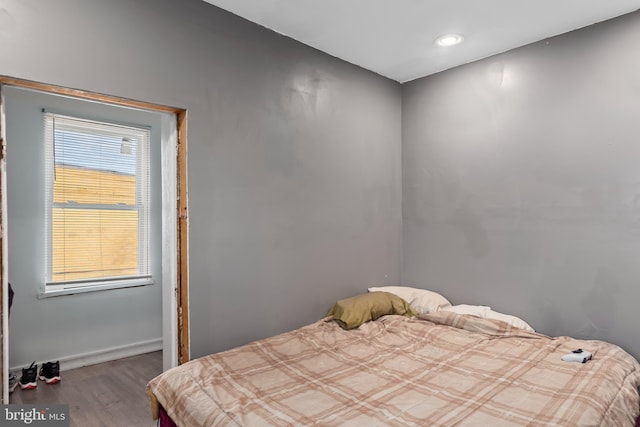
column 101, row 356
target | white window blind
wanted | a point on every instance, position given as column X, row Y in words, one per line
column 97, row 203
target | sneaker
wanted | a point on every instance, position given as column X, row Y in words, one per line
column 29, row 379
column 50, row 372
column 13, row 383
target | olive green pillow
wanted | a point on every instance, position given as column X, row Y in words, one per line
column 353, row 312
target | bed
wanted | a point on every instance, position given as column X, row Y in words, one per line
column 436, row 368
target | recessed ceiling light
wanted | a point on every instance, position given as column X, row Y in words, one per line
column 449, row 40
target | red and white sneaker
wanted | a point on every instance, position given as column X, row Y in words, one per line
column 50, row 372
column 29, row 379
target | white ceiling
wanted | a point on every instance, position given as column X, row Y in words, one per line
column 395, row 38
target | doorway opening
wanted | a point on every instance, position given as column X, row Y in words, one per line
column 169, row 283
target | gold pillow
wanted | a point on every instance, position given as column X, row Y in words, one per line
column 353, row 312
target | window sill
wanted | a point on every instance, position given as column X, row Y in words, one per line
column 48, row 291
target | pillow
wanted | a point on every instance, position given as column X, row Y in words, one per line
column 474, row 310
column 353, row 312
column 507, row 318
column 421, row 300
column 486, row 313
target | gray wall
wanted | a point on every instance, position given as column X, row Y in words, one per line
column 521, row 183
column 71, row 325
column 293, row 160
column 520, row 171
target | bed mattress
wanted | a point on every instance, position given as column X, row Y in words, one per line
column 440, row 369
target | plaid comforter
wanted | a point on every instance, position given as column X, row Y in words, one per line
column 442, row 369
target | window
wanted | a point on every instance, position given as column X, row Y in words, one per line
column 97, row 205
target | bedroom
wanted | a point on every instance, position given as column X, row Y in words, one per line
column 311, row 179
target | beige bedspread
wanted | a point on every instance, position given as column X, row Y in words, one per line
column 442, row 370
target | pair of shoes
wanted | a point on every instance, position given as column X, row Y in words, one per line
column 49, row 373
column 13, row 383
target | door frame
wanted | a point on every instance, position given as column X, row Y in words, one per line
column 175, row 240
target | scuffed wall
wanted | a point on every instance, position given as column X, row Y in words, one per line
column 521, row 183
column 294, row 174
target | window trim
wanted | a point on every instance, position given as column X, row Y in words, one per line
column 57, row 289
column 50, row 288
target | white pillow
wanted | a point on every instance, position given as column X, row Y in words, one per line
column 421, row 300
column 474, row 310
column 512, row 320
column 486, row 313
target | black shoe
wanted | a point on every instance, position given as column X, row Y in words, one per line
column 50, row 372
column 29, row 379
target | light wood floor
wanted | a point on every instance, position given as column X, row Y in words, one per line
column 109, row 394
